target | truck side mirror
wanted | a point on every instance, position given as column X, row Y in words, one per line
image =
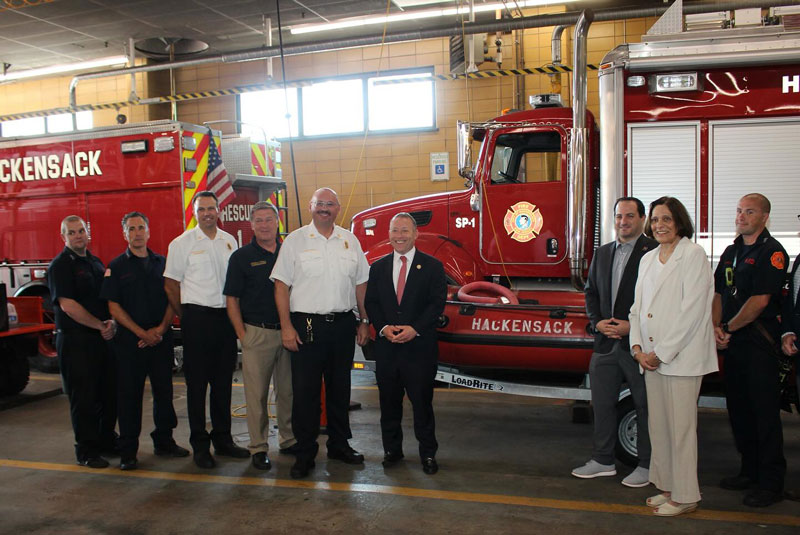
column 464, row 149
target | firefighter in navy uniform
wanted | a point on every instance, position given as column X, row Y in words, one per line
column 748, row 285
column 134, row 288
column 83, row 327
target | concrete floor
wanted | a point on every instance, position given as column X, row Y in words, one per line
column 505, row 468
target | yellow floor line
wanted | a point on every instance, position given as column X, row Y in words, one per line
column 470, row 497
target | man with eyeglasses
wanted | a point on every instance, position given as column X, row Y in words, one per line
column 194, row 278
column 320, row 278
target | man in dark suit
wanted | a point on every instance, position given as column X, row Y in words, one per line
column 406, row 293
column 790, row 319
column 609, row 296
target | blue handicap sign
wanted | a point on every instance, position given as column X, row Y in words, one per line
column 439, row 169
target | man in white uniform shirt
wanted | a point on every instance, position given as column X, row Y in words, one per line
column 193, row 279
column 320, row 277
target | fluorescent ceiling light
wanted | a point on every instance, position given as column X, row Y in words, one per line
column 415, row 15
column 415, row 3
column 67, row 67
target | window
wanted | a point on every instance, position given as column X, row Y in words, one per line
column 345, row 105
column 533, row 157
column 402, row 105
column 335, row 107
column 267, row 110
column 53, row 124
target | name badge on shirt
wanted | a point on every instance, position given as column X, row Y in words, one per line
column 259, row 263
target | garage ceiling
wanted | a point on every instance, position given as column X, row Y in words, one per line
column 40, row 33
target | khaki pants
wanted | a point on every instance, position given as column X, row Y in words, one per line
column 672, row 405
column 263, row 354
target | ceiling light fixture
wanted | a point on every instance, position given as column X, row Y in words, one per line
column 413, row 15
column 109, row 61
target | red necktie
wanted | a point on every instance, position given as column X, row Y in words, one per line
column 401, row 279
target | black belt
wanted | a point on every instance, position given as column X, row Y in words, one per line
column 273, row 326
column 329, row 318
column 201, row 308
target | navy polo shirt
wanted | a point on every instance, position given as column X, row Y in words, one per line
column 78, row 278
column 137, row 285
column 248, row 279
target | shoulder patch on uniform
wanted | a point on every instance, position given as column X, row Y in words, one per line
column 777, row 260
column 107, row 273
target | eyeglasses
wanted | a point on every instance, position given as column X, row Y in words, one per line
column 324, row 204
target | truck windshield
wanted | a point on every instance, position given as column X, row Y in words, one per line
column 526, row 157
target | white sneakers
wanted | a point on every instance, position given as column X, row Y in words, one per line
column 638, row 478
column 594, row 469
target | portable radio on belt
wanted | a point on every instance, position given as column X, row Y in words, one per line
column 729, row 275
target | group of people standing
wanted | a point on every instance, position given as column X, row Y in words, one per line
column 290, row 303
column 660, row 317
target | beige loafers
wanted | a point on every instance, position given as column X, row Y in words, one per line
column 668, row 509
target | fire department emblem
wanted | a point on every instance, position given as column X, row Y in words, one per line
column 523, row 221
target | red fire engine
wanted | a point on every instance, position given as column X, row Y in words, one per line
column 103, row 173
column 704, row 116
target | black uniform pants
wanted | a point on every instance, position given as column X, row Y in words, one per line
column 413, row 376
column 329, row 355
column 751, row 389
column 209, row 358
column 134, row 365
column 89, row 380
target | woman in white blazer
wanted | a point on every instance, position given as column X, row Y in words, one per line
column 672, row 338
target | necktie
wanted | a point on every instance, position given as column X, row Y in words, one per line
column 401, row 279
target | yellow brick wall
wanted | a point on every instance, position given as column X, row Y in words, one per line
column 365, row 172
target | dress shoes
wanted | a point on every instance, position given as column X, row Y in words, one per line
column 762, row 498
column 232, row 450
column 346, row 455
column 430, row 466
column 203, row 459
column 291, row 450
column 391, row 458
column 129, row 464
column 261, row 461
column 739, row 482
column 172, row 450
column 93, row 462
column 301, row 468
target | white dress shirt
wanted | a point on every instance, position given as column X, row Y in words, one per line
column 322, row 273
column 200, row 265
column 397, row 263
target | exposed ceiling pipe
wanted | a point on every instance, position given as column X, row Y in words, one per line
column 555, row 44
column 444, row 30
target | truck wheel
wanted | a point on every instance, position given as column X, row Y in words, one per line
column 14, row 370
column 627, row 430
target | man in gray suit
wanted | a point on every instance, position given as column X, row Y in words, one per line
column 609, row 296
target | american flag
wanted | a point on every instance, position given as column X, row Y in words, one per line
column 218, row 180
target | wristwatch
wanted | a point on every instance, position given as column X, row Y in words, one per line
column 365, row 321
column 724, row 327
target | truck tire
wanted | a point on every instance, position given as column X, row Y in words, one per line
column 14, row 370
column 627, row 432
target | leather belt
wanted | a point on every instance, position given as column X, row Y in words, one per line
column 328, row 318
column 273, row 326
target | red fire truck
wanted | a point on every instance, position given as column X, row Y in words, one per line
column 103, row 173
column 705, row 116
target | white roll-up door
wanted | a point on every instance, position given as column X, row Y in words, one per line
column 755, row 156
column 663, row 159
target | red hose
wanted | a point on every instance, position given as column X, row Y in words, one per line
column 501, row 291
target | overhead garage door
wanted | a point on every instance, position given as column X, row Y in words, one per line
column 755, row 156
